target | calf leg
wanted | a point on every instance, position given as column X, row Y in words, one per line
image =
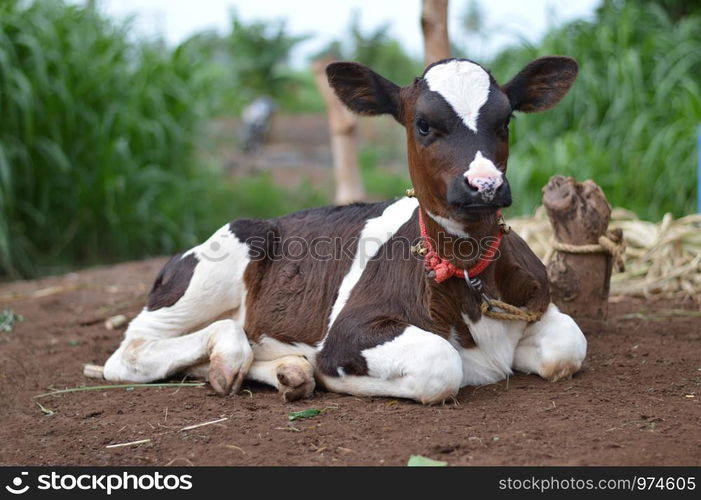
column 293, row 376
column 416, row 364
column 192, row 290
column 223, row 343
column 553, row 347
column 492, row 358
column 195, row 288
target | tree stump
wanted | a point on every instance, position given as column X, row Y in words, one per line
column 579, row 215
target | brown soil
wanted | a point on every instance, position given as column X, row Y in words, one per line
column 636, row 402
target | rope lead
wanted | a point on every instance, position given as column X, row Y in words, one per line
column 611, row 243
column 509, row 312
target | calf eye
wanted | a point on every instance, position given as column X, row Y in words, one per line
column 423, row 127
column 505, row 128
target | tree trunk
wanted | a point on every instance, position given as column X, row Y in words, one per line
column 434, row 24
column 344, row 144
column 579, row 214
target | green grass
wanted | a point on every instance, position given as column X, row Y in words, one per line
column 8, row 319
column 258, row 196
column 304, row 96
column 99, row 142
column 379, row 183
column 630, row 121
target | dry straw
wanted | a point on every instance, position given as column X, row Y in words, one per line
column 662, row 259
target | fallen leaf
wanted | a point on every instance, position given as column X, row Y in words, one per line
column 297, row 415
column 8, row 318
column 420, row 461
column 45, row 411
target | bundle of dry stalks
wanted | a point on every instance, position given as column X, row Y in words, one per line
column 662, row 259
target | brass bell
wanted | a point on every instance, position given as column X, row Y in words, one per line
column 503, row 226
column 418, row 249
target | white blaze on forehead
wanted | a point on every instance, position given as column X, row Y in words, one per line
column 484, row 176
column 465, row 85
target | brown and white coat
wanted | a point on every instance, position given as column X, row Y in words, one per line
column 334, row 296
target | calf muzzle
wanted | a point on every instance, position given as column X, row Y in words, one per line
column 491, row 193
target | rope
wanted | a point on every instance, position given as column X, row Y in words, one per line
column 442, row 269
column 512, row 313
column 611, row 243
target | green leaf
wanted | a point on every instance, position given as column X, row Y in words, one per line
column 8, row 318
column 45, row 411
column 296, row 415
column 421, row 461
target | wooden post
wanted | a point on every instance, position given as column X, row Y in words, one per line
column 434, row 24
column 579, row 214
column 344, row 147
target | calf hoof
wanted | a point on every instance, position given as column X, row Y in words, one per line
column 230, row 357
column 559, row 370
column 223, row 377
column 296, row 378
column 440, row 399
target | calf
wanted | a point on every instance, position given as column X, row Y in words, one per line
column 333, row 295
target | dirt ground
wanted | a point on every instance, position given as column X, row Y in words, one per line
column 636, row 402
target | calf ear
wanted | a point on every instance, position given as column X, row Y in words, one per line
column 541, row 84
column 362, row 90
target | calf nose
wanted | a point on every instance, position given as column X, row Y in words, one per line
column 484, row 177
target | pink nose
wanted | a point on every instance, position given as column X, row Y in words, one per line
column 483, row 175
column 485, row 183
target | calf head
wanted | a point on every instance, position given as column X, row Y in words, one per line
column 457, row 124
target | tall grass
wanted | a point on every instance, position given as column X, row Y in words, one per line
column 96, row 140
column 252, row 60
column 630, row 121
column 98, row 144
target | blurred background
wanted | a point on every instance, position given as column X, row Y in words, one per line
column 136, row 128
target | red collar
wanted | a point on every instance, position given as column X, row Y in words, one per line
column 444, row 269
